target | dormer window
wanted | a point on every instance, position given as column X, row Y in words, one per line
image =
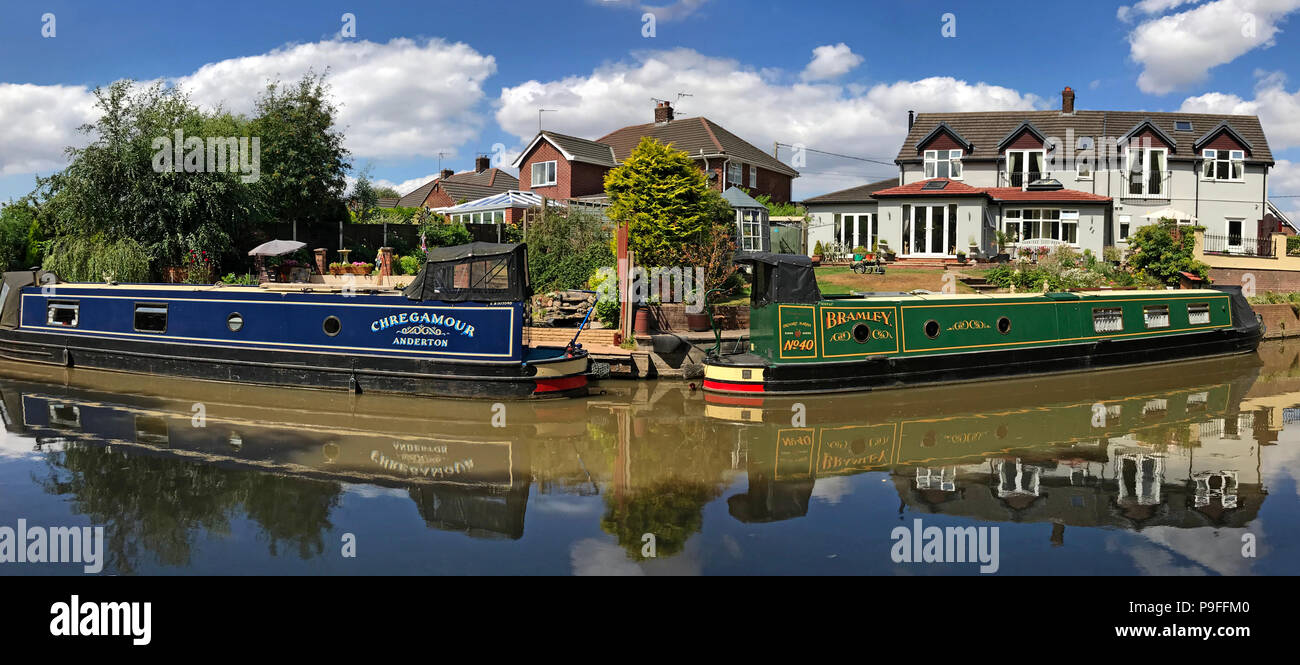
column 943, row 164
column 1228, row 165
column 1024, row 167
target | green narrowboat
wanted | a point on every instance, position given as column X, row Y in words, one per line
column 802, row 342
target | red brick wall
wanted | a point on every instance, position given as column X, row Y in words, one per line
column 438, row 199
column 1026, row 141
column 1224, row 141
column 1265, row 280
column 586, row 179
column 1145, row 135
column 545, row 152
column 941, row 141
column 1279, row 320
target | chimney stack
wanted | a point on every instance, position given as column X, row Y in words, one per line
column 911, row 118
column 663, row 113
column 1067, row 101
column 482, row 163
column 446, row 173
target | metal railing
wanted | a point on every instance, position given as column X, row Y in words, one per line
column 1146, row 184
column 1234, row 245
column 1019, row 178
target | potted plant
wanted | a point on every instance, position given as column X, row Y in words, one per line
column 973, row 246
column 859, row 253
column 1002, row 240
column 337, row 268
column 961, row 257
column 817, row 254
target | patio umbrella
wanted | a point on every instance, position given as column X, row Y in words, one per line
column 276, row 248
column 1170, row 213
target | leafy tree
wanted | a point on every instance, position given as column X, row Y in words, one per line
column 663, row 197
column 120, row 185
column 1162, row 250
column 16, row 222
column 303, row 158
column 387, row 193
column 364, row 198
column 779, row 209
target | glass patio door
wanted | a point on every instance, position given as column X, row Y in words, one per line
column 933, row 233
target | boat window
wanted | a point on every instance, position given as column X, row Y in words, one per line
column 332, row 325
column 491, row 273
column 1107, row 319
column 1198, row 314
column 1004, row 325
column 932, row 329
column 62, row 313
column 1157, row 316
column 150, row 317
column 235, row 322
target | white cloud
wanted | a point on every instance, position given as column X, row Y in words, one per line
column 1178, row 50
column 404, row 187
column 671, row 11
column 1127, row 13
column 861, row 121
column 400, row 99
column 403, row 98
column 830, row 62
column 39, row 122
column 1278, row 110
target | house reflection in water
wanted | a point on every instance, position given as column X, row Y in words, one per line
column 1185, row 457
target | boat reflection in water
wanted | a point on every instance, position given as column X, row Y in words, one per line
column 1123, row 448
column 177, row 470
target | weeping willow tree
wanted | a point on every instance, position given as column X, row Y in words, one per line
column 76, row 259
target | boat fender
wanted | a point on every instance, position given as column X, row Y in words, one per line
column 667, row 343
column 599, row 370
column 354, row 385
column 692, row 371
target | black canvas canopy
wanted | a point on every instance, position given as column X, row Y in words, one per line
column 11, row 293
column 785, row 278
column 479, row 271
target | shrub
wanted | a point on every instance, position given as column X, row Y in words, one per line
column 242, row 280
column 409, row 265
column 565, row 247
column 1293, row 245
column 1162, row 250
column 76, row 259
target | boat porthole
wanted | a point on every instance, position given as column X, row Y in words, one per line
column 235, row 322
column 332, row 326
column 861, row 333
column 932, row 329
column 1004, row 325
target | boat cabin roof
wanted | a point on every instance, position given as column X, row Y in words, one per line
column 1053, row 295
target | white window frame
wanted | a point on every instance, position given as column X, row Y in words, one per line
column 1085, row 144
column 735, row 174
column 1146, row 153
column 1227, row 233
column 550, row 174
column 1027, row 165
column 753, row 176
column 1155, row 317
column 950, row 158
column 1040, row 217
column 1212, row 158
column 751, row 230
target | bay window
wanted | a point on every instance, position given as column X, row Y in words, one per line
column 943, row 164
column 1224, row 165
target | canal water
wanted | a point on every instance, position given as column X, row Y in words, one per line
column 1185, row 468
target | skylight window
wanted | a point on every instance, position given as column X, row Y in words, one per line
column 1183, row 125
column 934, row 184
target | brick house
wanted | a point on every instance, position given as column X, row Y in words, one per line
column 567, row 167
column 451, row 188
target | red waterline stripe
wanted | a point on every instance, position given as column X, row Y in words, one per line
column 710, row 384
column 565, row 383
column 733, row 400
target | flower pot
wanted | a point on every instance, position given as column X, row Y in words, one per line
column 336, row 270
column 641, row 320
column 816, row 259
column 698, row 322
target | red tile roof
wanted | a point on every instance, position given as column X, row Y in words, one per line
column 955, row 188
column 1017, row 194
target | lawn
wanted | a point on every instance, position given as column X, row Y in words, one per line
column 841, row 280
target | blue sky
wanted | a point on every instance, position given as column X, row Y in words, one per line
column 462, row 78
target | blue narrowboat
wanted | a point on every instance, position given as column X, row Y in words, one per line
column 455, row 331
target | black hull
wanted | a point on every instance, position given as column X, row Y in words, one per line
column 294, row 369
column 885, row 373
